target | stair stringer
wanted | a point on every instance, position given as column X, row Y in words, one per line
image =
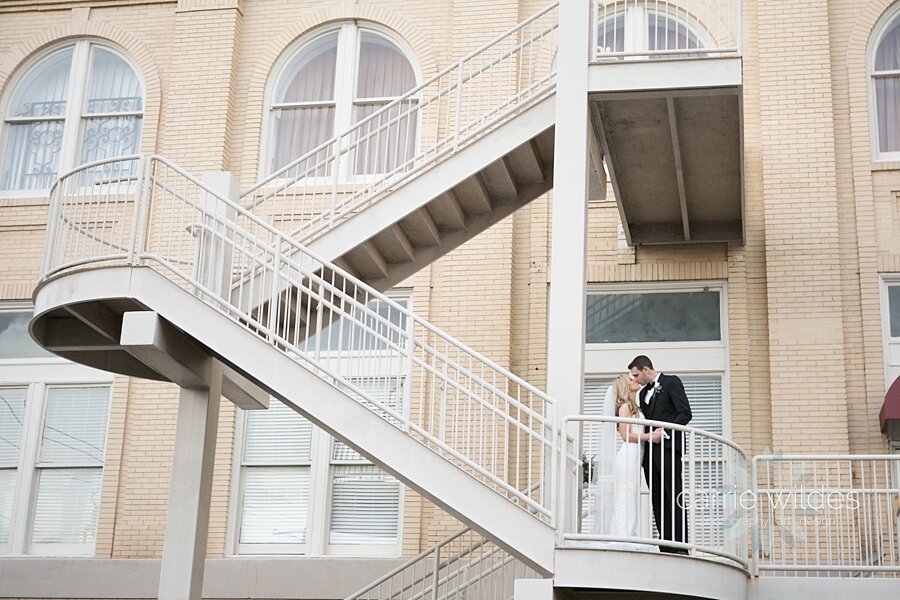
column 386, row 445
column 418, row 192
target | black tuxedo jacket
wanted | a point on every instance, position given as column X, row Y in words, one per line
column 670, row 404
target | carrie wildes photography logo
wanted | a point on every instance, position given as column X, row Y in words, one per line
column 786, row 502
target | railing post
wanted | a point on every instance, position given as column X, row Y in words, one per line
column 215, row 246
column 691, row 525
column 459, row 93
column 756, row 521
column 50, row 246
column 141, row 209
column 272, row 320
column 435, row 575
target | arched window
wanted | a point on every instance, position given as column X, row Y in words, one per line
column 333, row 81
column 639, row 27
column 885, row 69
column 78, row 103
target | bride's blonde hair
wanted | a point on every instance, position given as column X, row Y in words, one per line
column 620, row 389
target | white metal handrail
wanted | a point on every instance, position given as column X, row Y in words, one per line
column 827, row 515
column 476, row 414
column 713, row 471
column 412, row 133
column 650, row 29
column 462, row 565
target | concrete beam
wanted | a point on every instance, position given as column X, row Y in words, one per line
column 165, row 349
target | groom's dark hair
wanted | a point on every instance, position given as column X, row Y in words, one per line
column 640, row 362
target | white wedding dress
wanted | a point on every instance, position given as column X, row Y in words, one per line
column 617, row 505
column 626, row 499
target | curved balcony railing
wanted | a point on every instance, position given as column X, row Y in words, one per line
column 476, row 414
column 407, row 136
column 699, row 489
column 648, row 29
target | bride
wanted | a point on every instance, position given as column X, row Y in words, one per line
column 627, row 467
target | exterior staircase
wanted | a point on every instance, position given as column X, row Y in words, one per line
column 383, row 207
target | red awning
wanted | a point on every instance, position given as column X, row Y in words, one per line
column 890, row 411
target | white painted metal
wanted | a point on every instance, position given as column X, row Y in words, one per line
column 490, row 423
column 646, row 29
column 455, row 107
column 187, row 517
column 713, row 501
column 827, row 515
column 463, row 565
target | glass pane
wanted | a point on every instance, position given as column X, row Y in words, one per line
column 705, row 397
column 32, row 155
column 74, row 426
column 611, row 35
column 68, row 502
column 387, row 142
column 109, row 137
column 274, row 506
column 277, row 436
column 113, row 86
column 12, row 411
column 887, row 58
column 43, row 91
column 887, row 106
column 297, row 131
column 7, row 491
column 309, row 76
column 371, row 329
column 894, row 308
column 14, row 339
column 365, row 506
column 653, row 317
column 384, row 71
column 669, row 34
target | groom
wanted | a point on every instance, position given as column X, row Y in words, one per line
column 663, row 399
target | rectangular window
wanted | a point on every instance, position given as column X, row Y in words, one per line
column 12, row 414
column 684, row 316
column 275, row 481
column 53, row 421
column 69, row 468
column 365, row 501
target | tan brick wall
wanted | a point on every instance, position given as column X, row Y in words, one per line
column 821, row 221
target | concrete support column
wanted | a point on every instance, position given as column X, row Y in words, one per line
column 568, row 253
column 187, row 518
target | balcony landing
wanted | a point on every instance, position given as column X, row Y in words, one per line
column 671, row 135
column 611, row 574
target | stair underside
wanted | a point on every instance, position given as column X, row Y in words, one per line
column 72, row 310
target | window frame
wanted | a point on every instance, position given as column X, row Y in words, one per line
column 38, row 376
column 321, row 477
column 890, row 16
column 710, row 358
column 76, row 111
column 886, row 281
column 345, row 97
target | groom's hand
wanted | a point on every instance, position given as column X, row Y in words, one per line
column 656, row 436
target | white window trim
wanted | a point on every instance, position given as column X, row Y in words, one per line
column 885, row 21
column 885, row 281
column 344, row 97
column 37, row 375
column 321, row 478
column 610, row 360
column 76, row 90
